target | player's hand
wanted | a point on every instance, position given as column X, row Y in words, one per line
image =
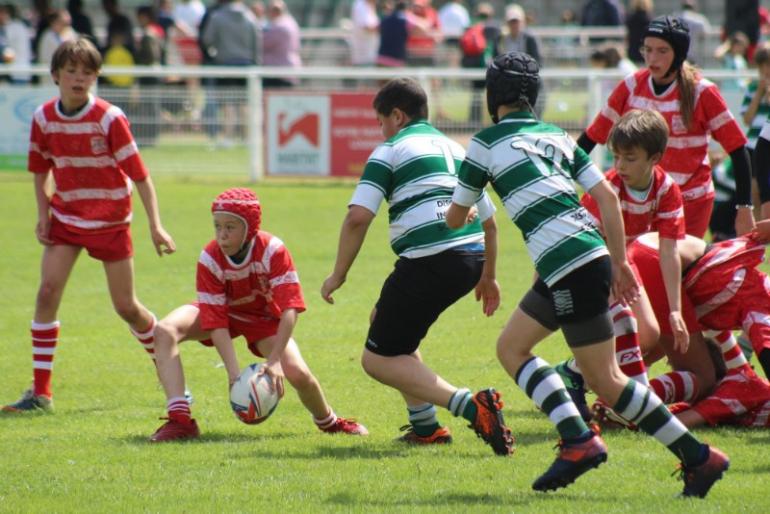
column 488, row 291
column 624, row 285
column 331, row 284
column 761, row 232
column 275, row 372
column 473, row 213
column 42, row 229
column 744, row 221
column 162, row 241
column 679, row 330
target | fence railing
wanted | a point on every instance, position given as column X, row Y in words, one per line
column 196, row 120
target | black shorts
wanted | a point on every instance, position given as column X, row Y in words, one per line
column 415, row 294
column 578, row 303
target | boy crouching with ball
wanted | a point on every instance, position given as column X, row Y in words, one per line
column 247, row 285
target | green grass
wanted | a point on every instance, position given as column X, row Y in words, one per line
column 92, row 455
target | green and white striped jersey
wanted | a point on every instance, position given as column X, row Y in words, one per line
column 531, row 165
column 415, row 172
column 763, row 113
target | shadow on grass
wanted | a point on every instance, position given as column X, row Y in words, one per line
column 521, row 498
column 333, row 452
column 210, row 437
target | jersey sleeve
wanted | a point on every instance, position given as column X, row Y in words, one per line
column 210, row 286
column 376, row 182
column 721, row 123
column 123, row 146
column 485, row 206
column 473, row 176
column 599, row 129
column 285, row 288
column 669, row 217
column 585, row 171
column 39, row 158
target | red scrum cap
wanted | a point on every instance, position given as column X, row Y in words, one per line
column 241, row 203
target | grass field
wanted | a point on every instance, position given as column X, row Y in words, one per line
column 93, row 455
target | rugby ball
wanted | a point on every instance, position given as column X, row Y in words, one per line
column 252, row 397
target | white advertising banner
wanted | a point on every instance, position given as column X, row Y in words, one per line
column 17, row 105
column 298, row 134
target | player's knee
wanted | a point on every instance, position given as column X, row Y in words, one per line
column 369, row 363
column 165, row 334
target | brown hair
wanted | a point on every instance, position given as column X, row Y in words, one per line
column 762, row 55
column 687, row 78
column 402, row 93
column 77, row 51
column 644, row 129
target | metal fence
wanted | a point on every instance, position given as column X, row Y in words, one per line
column 187, row 123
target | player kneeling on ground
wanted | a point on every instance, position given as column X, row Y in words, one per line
column 247, row 285
column 531, row 165
column 414, row 170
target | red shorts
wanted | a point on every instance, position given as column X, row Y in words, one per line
column 646, row 264
column 252, row 331
column 736, row 395
column 697, row 214
column 104, row 246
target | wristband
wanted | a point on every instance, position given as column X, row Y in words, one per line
column 743, row 206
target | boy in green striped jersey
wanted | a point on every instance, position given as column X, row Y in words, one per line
column 414, row 171
column 531, row 165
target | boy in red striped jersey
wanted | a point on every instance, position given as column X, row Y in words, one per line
column 87, row 146
column 247, row 285
column 649, row 200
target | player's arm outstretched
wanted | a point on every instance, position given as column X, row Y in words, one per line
column 352, row 235
column 273, row 367
column 624, row 285
column 671, row 269
column 43, row 208
column 160, row 238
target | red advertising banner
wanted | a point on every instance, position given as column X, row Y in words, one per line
column 355, row 132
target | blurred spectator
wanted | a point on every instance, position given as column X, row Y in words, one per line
column 17, row 52
column 699, row 26
column 232, row 37
column 149, row 50
column 453, row 19
column 258, row 8
column 742, row 16
column 365, row 37
column 165, row 17
column 81, row 23
column 118, row 23
column 566, row 48
column 394, row 30
column 59, row 30
column 421, row 45
column 472, row 58
column 117, row 53
column 517, row 38
column 187, row 16
column 40, row 15
column 639, row 16
column 601, row 13
column 755, row 108
column 281, row 43
column 731, row 54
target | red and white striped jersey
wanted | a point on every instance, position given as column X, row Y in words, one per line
column 686, row 156
column 261, row 287
column 92, row 155
column 661, row 210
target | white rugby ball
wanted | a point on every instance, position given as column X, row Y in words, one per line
column 252, row 397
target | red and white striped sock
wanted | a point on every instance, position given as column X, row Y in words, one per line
column 731, row 350
column 44, row 339
column 627, row 351
column 179, row 409
column 147, row 338
column 327, row 422
column 675, row 386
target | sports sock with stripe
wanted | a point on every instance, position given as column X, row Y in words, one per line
column 45, row 336
column 423, row 419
